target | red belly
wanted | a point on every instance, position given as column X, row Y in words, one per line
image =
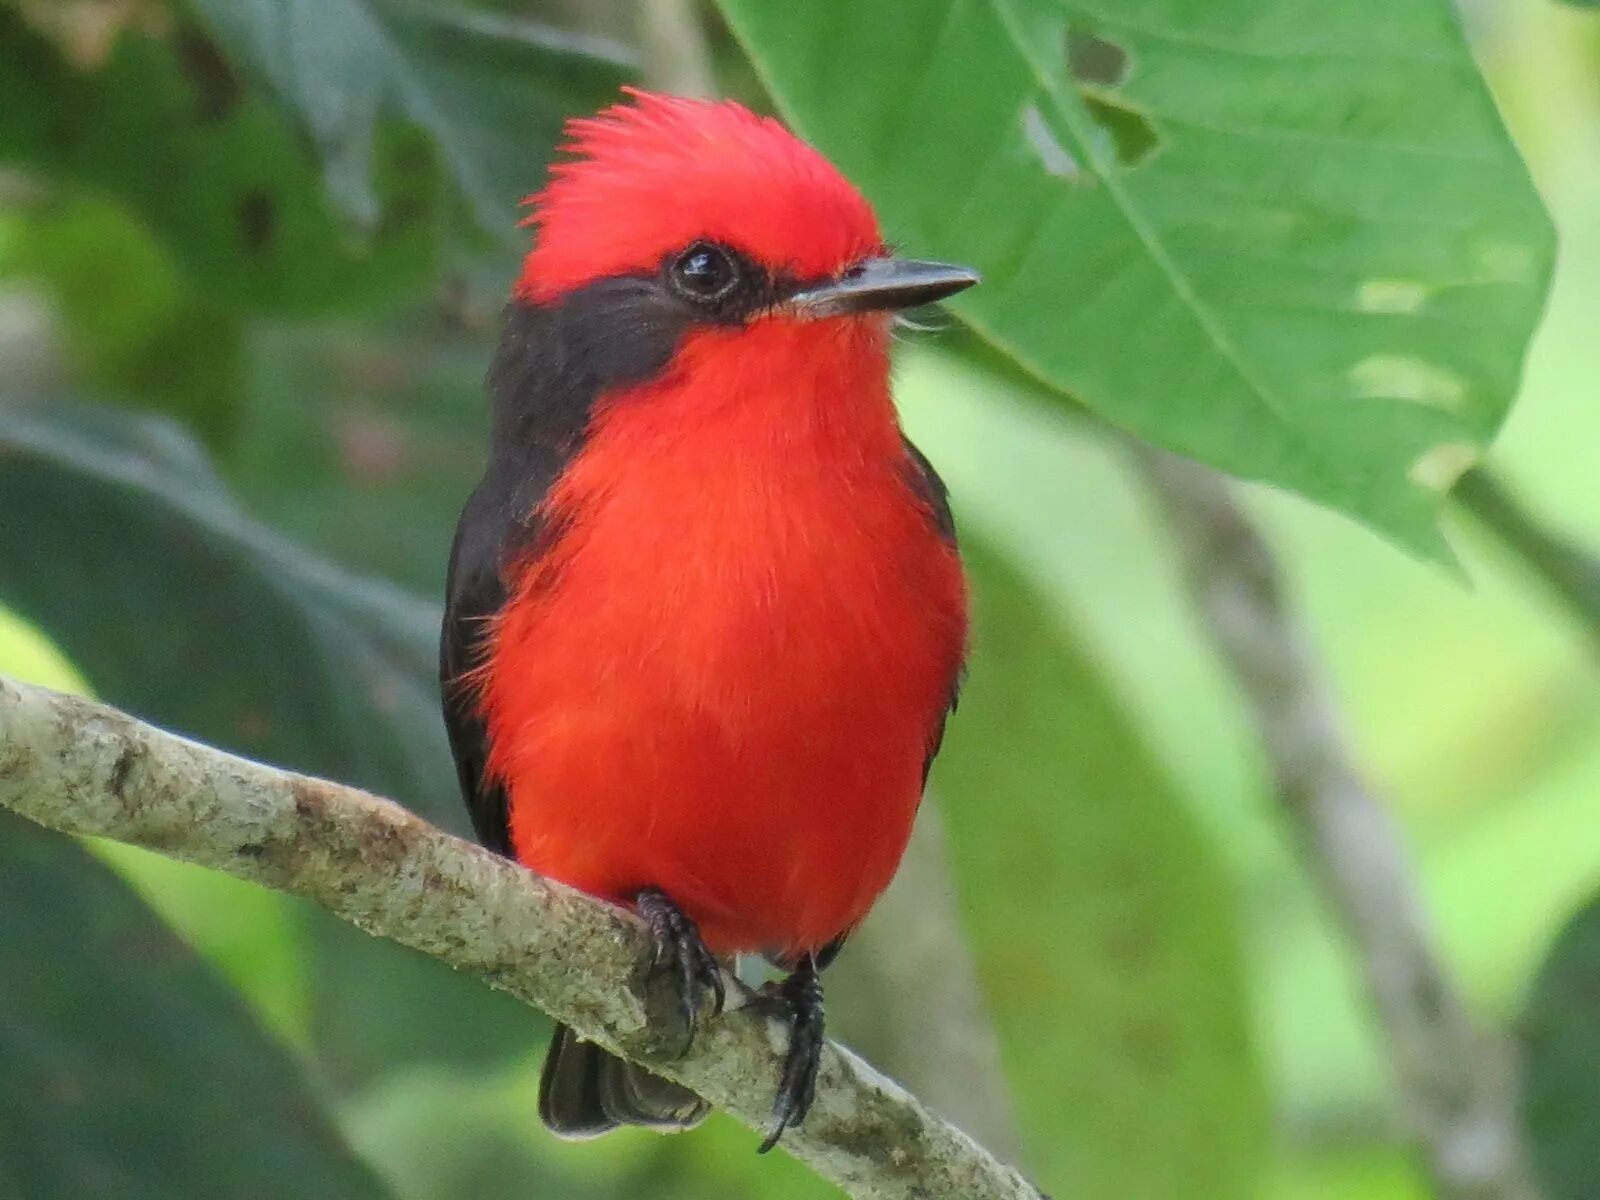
column 770, row 837
column 726, row 692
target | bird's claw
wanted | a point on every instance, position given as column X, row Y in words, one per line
column 680, row 949
column 801, row 996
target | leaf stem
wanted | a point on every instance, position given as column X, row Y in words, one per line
column 676, row 57
column 1571, row 573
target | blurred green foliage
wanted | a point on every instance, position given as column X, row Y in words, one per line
column 1091, row 892
column 171, row 129
column 1560, row 1034
column 491, row 93
column 130, row 1069
column 262, row 251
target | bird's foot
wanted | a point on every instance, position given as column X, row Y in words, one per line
column 801, row 997
column 680, row 951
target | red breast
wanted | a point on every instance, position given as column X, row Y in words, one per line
column 723, row 677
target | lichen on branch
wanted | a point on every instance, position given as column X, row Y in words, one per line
column 80, row 767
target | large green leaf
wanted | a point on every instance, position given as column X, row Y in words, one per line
column 1104, row 928
column 364, row 448
column 1289, row 239
column 130, row 1070
column 491, row 90
column 1561, row 1050
column 121, row 544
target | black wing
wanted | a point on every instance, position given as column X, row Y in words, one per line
column 541, row 396
column 499, row 527
column 930, row 488
column 553, row 362
column 474, row 592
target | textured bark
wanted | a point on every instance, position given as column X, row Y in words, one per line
column 83, row 768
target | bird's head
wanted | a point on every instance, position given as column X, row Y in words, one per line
column 678, row 221
column 737, row 217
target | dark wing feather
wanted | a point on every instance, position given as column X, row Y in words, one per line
column 554, row 361
column 931, row 490
column 474, row 592
column 500, row 527
column 541, row 396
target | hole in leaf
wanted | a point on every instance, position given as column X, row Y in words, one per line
column 1055, row 158
column 1132, row 137
column 1099, row 67
column 1094, row 61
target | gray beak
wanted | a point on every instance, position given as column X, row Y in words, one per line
column 882, row 283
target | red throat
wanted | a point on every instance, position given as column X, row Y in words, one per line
column 723, row 677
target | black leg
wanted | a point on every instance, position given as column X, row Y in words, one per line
column 680, row 950
column 797, row 1087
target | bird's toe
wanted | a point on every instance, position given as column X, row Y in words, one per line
column 679, row 949
column 797, row 1085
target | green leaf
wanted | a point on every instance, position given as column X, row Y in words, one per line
column 1561, row 1062
column 169, row 130
column 1291, row 240
column 1105, row 930
column 121, row 544
column 256, row 939
column 365, row 447
column 129, row 1069
column 491, row 90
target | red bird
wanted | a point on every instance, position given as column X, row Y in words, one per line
column 706, row 615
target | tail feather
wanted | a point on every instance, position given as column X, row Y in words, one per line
column 586, row 1091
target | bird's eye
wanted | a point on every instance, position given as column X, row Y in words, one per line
column 704, row 272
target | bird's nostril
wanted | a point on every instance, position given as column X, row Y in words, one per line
column 856, row 271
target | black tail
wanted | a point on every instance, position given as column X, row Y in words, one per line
column 586, row 1091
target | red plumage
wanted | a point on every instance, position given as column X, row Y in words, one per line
column 706, row 613
column 725, row 678
column 654, row 175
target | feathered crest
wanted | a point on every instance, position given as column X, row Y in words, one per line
column 650, row 175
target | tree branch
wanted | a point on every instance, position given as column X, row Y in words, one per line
column 676, row 58
column 83, row 768
column 1451, row 1084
